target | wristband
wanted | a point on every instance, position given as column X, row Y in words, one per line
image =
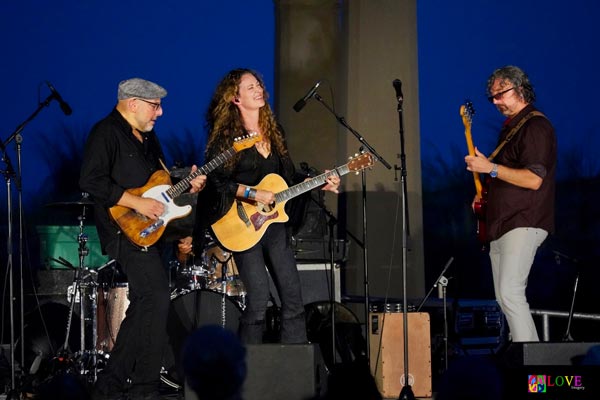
column 252, row 194
column 247, row 192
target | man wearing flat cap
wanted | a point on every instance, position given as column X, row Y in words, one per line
column 122, row 152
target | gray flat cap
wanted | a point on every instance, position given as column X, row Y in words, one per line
column 136, row 87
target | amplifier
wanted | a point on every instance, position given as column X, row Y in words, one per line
column 480, row 324
column 315, row 280
column 317, row 250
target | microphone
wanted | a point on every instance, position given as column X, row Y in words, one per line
column 63, row 104
column 302, row 102
column 398, row 86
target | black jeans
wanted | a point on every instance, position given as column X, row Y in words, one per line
column 137, row 354
column 274, row 248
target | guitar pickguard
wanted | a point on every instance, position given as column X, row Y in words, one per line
column 258, row 219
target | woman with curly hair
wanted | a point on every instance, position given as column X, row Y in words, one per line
column 238, row 107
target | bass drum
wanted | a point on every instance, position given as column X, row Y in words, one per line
column 190, row 310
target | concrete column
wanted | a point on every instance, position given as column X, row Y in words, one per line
column 357, row 48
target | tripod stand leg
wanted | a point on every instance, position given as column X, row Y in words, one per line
column 76, row 288
column 567, row 336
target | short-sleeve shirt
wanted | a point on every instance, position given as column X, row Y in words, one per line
column 533, row 147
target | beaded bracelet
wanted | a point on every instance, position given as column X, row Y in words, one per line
column 247, row 192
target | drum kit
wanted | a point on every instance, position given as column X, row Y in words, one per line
column 205, row 291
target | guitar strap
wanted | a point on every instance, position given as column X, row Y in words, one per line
column 513, row 132
column 163, row 165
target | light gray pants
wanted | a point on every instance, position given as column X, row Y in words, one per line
column 512, row 256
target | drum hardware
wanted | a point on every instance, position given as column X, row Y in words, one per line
column 82, row 291
column 223, row 293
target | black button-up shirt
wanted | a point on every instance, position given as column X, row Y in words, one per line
column 115, row 160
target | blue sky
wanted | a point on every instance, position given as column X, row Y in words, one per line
column 84, row 48
column 462, row 42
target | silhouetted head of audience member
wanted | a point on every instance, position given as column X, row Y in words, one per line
column 214, row 363
column 592, row 356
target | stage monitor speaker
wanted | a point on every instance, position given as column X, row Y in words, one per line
column 281, row 371
column 386, row 332
column 546, row 353
column 284, row 371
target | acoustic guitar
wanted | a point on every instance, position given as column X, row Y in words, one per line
column 246, row 221
column 143, row 231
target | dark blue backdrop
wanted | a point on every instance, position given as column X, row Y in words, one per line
column 85, row 48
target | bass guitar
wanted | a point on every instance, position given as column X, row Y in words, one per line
column 143, row 231
column 246, row 221
column 479, row 206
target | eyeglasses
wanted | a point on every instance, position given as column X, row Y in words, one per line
column 155, row 106
column 498, row 96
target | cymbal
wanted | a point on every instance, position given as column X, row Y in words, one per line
column 84, row 201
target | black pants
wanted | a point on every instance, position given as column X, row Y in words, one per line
column 138, row 350
column 274, row 248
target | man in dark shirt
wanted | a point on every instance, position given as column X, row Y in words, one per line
column 520, row 203
column 122, row 152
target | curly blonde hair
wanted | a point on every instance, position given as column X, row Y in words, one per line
column 224, row 120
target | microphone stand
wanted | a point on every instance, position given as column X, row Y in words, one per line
column 406, row 393
column 332, row 221
column 567, row 336
column 366, row 145
column 330, row 225
column 8, row 173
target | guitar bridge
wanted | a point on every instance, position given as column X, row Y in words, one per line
column 152, row 228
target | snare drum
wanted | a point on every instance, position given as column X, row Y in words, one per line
column 192, row 277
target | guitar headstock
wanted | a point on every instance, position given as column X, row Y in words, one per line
column 467, row 111
column 360, row 162
column 245, row 142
